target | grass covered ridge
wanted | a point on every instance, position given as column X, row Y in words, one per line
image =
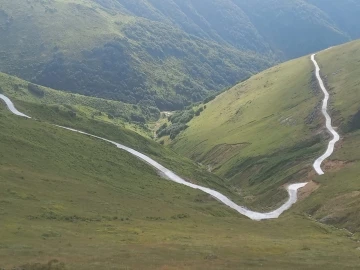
column 115, row 112
column 267, row 131
column 90, row 205
column 260, row 134
column 337, row 202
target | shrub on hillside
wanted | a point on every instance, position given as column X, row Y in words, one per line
column 164, row 126
column 199, row 111
column 182, row 116
column 208, row 99
column 137, row 118
column 354, row 122
column 172, row 130
column 36, row 90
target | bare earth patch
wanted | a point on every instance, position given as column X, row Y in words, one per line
column 329, row 166
column 304, row 176
column 307, row 190
column 335, row 165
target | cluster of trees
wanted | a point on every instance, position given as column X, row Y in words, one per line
column 354, row 123
column 36, row 90
column 209, row 98
column 173, row 130
column 179, row 122
column 197, row 67
column 103, row 72
column 182, row 116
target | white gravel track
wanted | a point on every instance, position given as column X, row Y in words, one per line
column 291, row 189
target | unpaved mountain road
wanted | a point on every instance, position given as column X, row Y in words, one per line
column 336, row 136
column 291, row 189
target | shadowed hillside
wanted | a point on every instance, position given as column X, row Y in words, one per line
column 163, row 53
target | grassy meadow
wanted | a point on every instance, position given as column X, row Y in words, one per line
column 80, row 203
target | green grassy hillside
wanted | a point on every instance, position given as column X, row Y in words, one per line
column 80, row 203
column 262, row 133
column 267, row 131
column 337, row 202
column 91, row 115
column 78, row 106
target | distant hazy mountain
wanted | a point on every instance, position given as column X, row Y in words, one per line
column 291, row 28
column 164, row 53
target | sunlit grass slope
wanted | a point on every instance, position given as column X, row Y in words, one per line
column 261, row 133
column 89, row 205
column 267, row 131
column 337, row 201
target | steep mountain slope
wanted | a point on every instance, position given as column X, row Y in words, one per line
column 82, row 47
column 296, row 28
column 288, row 28
column 262, row 133
column 337, row 202
column 92, row 206
column 266, row 132
column 164, row 53
column 221, row 21
column 342, row 13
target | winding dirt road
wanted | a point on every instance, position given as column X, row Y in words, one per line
column 291, row 189
column 336, row 136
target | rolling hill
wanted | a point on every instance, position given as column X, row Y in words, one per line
column 92, row 115
column 78, row 106
column 163, row 53
column 72, row 201
column 92, row 206
column 267, row 131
